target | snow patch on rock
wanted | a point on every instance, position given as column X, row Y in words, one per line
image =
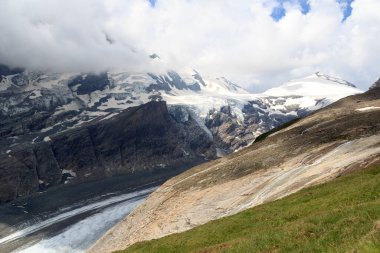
column 70, row 172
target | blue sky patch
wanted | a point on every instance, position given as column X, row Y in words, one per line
column 346, row 8
column 152, row 2
column 279, row 12
column 305, row 6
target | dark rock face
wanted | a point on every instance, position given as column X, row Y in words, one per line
column 173, row 80
column 139, row 139
column 20, row 114
column 18, row 175
column 48, row 169
column 199, row 78
column 160, row 85
column 176, row 81
column 226, row 129
column 5, row 70
column 231, row 132
column 375, row 85
column 89, row 83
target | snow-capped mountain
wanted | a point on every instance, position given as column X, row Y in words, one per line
column 35, row 104
column 317, row 85
column 70, row 128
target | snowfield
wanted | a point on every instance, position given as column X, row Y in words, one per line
column 315, row 86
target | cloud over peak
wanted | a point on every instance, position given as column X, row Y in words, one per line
column 239, row 40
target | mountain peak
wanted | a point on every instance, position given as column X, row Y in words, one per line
column 333, row 79
column 316, row 85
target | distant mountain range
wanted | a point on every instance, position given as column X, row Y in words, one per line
column 67, row 128
column 34, row 105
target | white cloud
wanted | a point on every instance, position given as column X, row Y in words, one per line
column 236, row 39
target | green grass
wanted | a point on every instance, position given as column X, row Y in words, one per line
column 340, row 216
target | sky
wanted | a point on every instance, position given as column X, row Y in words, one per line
column 257, row 44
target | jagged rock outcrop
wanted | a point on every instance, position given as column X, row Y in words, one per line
column 231, row 132
column 140, row 139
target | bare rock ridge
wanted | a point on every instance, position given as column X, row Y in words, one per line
column 335, row 140
column 140, row 139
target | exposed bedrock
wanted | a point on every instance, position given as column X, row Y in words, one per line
column 143, row 139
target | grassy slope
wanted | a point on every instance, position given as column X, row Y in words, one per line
column 340, row 216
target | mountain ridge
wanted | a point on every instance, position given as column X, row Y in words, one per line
column 38, row 107
column 35, row 103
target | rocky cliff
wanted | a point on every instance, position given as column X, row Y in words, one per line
column 140, row 139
